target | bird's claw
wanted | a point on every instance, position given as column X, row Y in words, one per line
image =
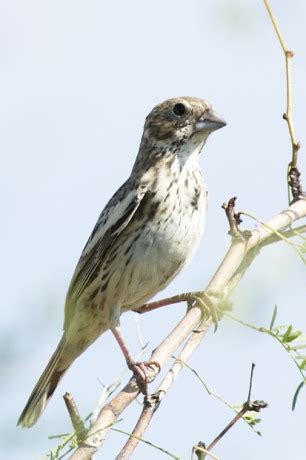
column 208, row 307
column 140, row 373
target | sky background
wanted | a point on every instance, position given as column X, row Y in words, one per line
column 77, row 80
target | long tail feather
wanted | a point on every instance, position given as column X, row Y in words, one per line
column 44, row 388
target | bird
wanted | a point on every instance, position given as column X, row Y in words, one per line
column 147, row 232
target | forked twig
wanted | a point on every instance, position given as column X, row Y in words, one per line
column 293, row 173
column 225, row 280
column 248, row 406
column 240, row 255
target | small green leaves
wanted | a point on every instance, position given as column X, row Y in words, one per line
column 302, row 365
column 273, row 317
column 296, row 394
column 286, row 336
column 252, row 419
column 234, row 407
column 68, row 441
column 291, row 339
column 289, row 335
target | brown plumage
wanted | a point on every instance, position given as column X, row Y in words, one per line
column 147, row 232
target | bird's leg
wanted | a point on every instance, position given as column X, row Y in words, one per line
column 207, row 301
column 138, row 368
column 188, row 297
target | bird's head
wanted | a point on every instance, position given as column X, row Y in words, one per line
column 176, row 129
column 181, row 118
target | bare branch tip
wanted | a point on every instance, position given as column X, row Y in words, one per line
column 289, row 54
column 77, row 422
column 234, row 219
column 297, row 145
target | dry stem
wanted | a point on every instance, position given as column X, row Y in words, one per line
column 76, row 420
column 239, row 256
column 242, row 252
column 248, row 406
column 288, row 114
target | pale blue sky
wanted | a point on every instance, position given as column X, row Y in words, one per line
column 77, row 80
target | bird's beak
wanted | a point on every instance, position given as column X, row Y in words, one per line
column 210, row 121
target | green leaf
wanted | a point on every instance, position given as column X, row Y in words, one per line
column 273, row 317
column 251, row 420
column 296, row 394
column 293, row 336
column 287, row 334
column 302, row 366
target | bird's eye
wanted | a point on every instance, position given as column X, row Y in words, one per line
column 179, row 109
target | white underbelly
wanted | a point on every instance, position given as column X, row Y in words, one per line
column 159, row 255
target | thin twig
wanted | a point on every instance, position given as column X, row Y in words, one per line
column 111, row 411
column 224, row 281
column 201, row 452
column 247, row 407
column 149, row 443
column 239, row 247
column 233, row 218
column 251, row 382
column 75, row 417
column 295, row 185
column 273, row 334
column 240, row 255
column 150, row 405
column 156, row 399
column 280, row 235
column 297, row 231
column 106, row 393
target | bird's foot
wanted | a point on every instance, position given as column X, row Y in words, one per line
column 210, row 302
column 140, row 370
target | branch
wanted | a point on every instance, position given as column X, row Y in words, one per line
column 294, row 232
column 243, row 250
column 233, row 218
column 240, row 255
column 292, row 173
column 74, row 414
column 111, row 411
column 248, row 406
column 154, row 402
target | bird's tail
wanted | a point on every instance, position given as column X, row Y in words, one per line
column 44, row 388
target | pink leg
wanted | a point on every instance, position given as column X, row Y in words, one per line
column 188, row 297
column 138, row 368
column 199, row 298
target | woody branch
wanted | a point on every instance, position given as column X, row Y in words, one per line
column 239, row 256
column 243, row 250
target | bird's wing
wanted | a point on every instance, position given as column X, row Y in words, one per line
column 113, row 220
